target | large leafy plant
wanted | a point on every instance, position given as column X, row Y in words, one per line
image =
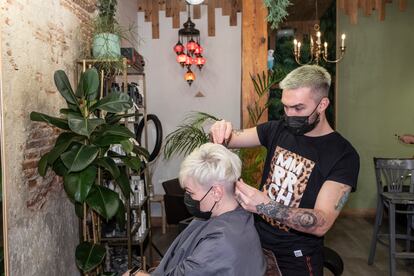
column 81, row 156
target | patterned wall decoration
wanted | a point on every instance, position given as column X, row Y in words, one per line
column 350, row 7
column 173, row 8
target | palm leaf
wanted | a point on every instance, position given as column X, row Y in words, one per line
column 184, row 140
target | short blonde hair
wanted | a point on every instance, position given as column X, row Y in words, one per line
column 313, row 76
column 211, row 163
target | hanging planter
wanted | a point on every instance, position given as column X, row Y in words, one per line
column 106, row 45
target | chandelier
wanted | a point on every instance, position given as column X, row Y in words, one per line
column 188, row 49
column 316, row 51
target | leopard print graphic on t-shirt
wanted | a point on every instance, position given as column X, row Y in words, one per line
column 287, row 180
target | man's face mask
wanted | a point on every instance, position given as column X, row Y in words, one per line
column 299, row 125
column 193, row 206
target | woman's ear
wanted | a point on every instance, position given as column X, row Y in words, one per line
column 218, row 192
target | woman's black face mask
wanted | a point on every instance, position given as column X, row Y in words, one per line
column 193, row 206
column 299, row 125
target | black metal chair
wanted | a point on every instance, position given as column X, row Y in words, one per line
column 175, row 209
column 395, row 191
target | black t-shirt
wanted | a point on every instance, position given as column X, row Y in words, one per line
column 296, row 168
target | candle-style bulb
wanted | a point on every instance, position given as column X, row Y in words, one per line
column 343, row 40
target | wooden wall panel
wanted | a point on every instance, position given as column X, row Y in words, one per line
column 148, row 10
column 176, row 14
column 155, row 20
column 254, row 53
column 197, row 12
column 403, row 5
column 233, row 13
column 351, row 7
column 168, row 8
column 211, row 14
column 174, row 7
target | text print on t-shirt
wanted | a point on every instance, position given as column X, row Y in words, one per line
column 287, row 180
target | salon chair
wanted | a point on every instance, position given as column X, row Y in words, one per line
column 175, row 209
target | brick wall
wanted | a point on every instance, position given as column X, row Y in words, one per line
column 41, row 140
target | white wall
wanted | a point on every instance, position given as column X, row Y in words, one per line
column 169, row 96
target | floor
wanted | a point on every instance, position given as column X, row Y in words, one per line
column 350, row 237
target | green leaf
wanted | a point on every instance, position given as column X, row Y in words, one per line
column 111, row 134
column 77, row 185
column 103, row 200
column 133, row 162
column 89, row 255
column 127, row 145
column 123, row 183
column 79, row 209
column 65, row 111
column 118, row 130
column 120, row 215
column 42, row 165
column 184, row 140
column 63, row 85
column 115, row 102
column 140, row 151
column 40, row 117
column 113, row 118
column 64, row 140
column 83, row 126
column 59, row 168
column 106, row 140
column 88, row 85
column 108, row 164
column 79, row 157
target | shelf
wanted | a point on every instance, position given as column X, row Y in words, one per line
column 123, row 240
column 139, row 206
column 141, row 239
column 131, row 69
column 130, row 73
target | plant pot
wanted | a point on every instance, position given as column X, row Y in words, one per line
column 106, row 45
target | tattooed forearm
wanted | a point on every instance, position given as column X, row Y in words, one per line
column 237, row 132
column 304, row 220
column 342, row 200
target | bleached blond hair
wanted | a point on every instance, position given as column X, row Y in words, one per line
column 314, row 77
column 211, row 164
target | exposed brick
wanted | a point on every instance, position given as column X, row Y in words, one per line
column 41, row 133
column 32, row 183
column 44, row 150
column 30, row 164
column 37, row 143
column 30, row 173
column 31, row 154
column 41, row 139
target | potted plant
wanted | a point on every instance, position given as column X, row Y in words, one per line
column 107, row 31
column 82, row 155
column 277, row 11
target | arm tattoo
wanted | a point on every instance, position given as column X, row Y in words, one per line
column 342, row 201
column 237, row 132
column 304, row 220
